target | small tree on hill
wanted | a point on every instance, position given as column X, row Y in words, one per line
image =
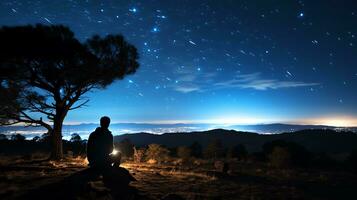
column 18, row 137
column 3, row 137
column 46, row 70
column 75, row 138
column 36, row 139
column 157, row 152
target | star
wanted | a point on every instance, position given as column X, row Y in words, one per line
column 301, row 15
column 133, row 10
column 155, row 29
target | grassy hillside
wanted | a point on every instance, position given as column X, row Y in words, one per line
column 321, row 140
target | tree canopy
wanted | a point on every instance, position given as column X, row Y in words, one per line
column 45, row 69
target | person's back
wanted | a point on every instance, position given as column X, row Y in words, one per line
column 100, row 145
column 103, row 161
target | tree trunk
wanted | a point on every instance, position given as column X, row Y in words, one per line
column 57, row 149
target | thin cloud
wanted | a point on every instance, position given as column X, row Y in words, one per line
column 187, row 89
column 243, row 81
column 254, row 81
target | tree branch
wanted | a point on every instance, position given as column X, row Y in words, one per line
column 30, row 120
column 34, row 108
column 80, row 105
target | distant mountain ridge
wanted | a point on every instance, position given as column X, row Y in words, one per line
column 122, row 128
column 315, row 140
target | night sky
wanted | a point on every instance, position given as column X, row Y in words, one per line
column 225, row 61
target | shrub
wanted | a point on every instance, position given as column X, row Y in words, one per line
column 214, row 149
column 299, row 155
column 75, row 137
column 18, row 137
column 36, row 139
column 126, row 148
column 280, row 157
column 196, row 150
column 157, row 152
column 239, row 151
column 3, row 137
column 184, row 152
column 139, row 155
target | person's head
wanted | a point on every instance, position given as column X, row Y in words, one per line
column 104, row 122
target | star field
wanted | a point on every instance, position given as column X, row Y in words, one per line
column 229, row 60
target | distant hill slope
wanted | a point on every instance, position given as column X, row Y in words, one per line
column 318, row 140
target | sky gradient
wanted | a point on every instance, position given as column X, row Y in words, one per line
column 225, row 61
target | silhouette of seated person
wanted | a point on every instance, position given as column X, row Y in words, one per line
column 100, row 146
column 102, row 160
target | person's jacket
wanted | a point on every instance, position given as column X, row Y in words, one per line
column 99, row 146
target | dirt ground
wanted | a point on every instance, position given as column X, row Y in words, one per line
column 28, row 178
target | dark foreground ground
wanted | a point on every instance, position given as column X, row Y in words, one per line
column 37, row 178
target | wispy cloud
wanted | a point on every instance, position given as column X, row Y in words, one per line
column 254, row 81
column 191, row 83
column 187, row 88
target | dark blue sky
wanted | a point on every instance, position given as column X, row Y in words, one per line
column 226, row 61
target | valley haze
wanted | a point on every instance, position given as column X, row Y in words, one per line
column 84, row 129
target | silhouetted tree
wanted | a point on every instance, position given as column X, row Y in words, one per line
column 196, row 150
column 45, row 138
column 75, row 138
column 46, row 70
column 238, row 151
column 3, row 137
column 126, row 148
column 18, row 137
column 214, row 149
column 9, row 92
column 36, row 139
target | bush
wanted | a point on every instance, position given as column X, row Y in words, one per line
column 239, row 151
column 157, row 152
column 139, row 155
column 18, row 137
column 196, row 150
column 280, row 157
column 126, row 148
column 75, row 137
column 36, row 139
column 214, row 149
column 3, row 137
column 184, row 152
column 299, row 155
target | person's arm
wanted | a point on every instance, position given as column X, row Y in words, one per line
column 90, row 148
column 111, row 142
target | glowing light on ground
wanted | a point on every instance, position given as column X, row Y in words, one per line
column 114, row 152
